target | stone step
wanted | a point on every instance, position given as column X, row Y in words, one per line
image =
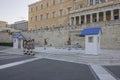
column 84, row 60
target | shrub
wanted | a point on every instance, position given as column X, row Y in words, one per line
column 6, row 44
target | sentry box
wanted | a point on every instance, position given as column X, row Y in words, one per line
column 92, row 40
column 17, row 41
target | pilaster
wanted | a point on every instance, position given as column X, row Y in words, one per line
column 112, row 14
column 97, row 17
column 91, row 18
column 104, row 17
column 85, row 20
column 80, row 19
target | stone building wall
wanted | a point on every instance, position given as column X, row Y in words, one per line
column 3, row 24
column 110, row 38
column 5, row 37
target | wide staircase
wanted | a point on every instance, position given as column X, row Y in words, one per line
column 106, row 57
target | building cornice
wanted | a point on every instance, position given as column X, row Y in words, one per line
column 35, row 3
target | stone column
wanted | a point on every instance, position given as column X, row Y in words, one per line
column 75, row 20
column 85, row 19
column 112, row 15
column 93, row 2
column 97, row 16
column 119, row 13
column 104, row 13
column 80, row 19
column 70, row 21
column 91, row 18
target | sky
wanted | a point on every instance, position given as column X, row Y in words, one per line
column 14, row 10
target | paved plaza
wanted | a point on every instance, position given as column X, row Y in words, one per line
column 58, row 64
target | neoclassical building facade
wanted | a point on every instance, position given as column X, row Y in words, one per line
column 57, row 13
column 74, row 16
column 94, row 11
column 49, row 13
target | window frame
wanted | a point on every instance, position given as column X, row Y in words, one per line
column 61, row 1
column 54, row 2
column 47, row 15
column 47, row 4
column 91, row 39
column 36, row 17
column 41, row 17
column 61, row 12
column 54, row 14
column 69, row 9
column 41, row 6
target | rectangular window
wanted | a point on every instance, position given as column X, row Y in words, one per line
column 31, row 19
column 54, row 2
column 47, row 15
column 61, row 1
column 54, row 13
column 90, row 39
column 35, row 18
column 41, row 6
column 69, row 9
column 116, row 14
column 96, row 1
column 61, row 12
column 81, row 5
column 31, row 10
column 47, row 4
column 116, row 17
column 41, row 17
column 36, row 8
column 90, row 2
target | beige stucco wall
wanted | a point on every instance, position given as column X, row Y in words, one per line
column 63, row 20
